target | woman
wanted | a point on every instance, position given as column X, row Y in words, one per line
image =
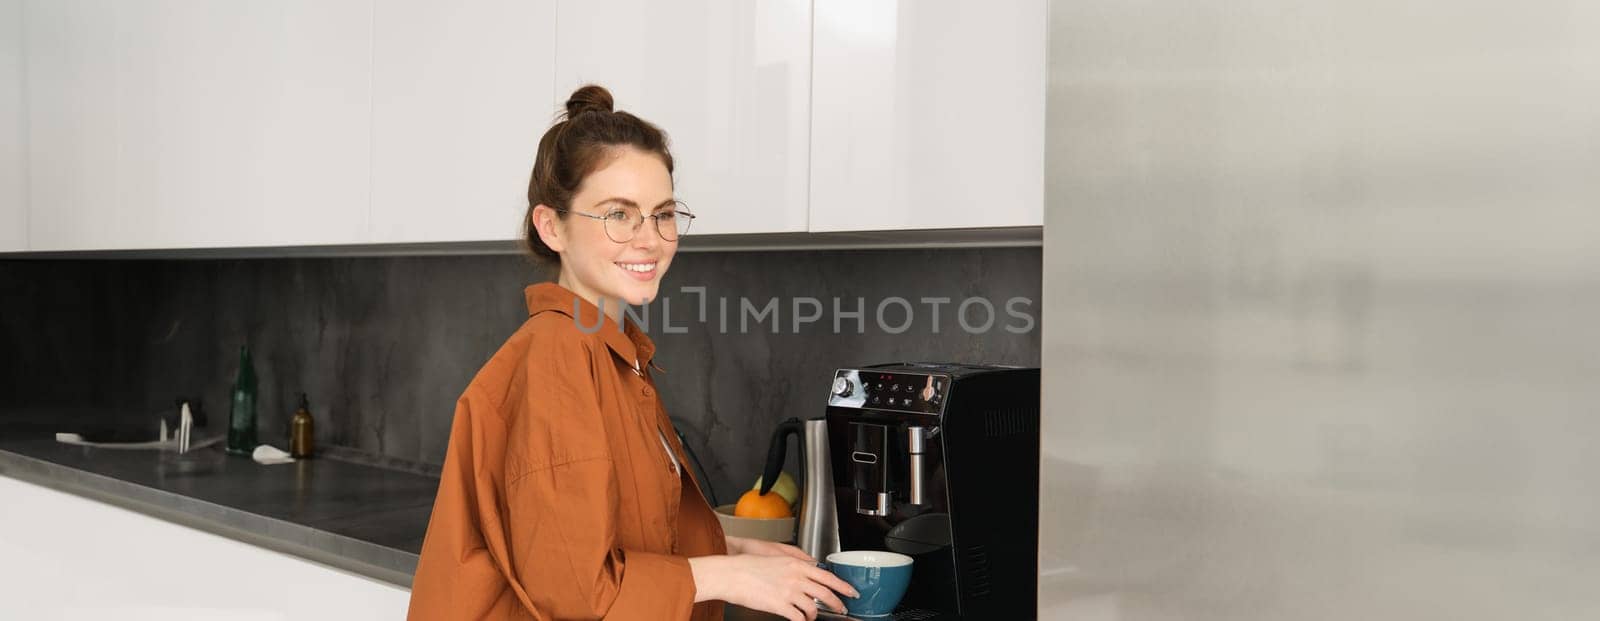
column 563, row 495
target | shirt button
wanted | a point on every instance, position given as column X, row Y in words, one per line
column 647, row 391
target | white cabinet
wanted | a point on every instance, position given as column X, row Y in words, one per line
column 175, row 124
column 462, row 92
column 179, row 124
column 729, row 82
column 927, row 114
column 72, row 85
column 13, row 195
column 67, row 557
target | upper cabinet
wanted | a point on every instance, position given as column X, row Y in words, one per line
column 13, row 195
column 462, row 92
column 729, row 82
column 72, row 86
column 927, row 114
column 176, row 124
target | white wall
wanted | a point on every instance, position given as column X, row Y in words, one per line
column 66, row 557
column 1321, row 282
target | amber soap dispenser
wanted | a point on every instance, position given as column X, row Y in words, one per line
column 300, row 431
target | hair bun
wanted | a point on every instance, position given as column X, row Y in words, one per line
column 588, row 98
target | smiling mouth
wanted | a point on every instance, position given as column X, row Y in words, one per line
column 638, row 268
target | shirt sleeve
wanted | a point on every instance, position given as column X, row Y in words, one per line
column 562, row 502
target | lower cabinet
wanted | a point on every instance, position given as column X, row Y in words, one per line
column 68, row 557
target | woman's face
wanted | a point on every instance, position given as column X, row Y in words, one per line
column 592, row 264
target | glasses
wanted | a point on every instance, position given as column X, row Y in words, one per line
column 622, row 223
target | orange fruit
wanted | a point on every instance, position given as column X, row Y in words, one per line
column 754, row 504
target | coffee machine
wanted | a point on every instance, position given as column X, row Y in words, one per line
column 940, row 462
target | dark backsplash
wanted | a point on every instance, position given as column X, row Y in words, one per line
column 383, row 346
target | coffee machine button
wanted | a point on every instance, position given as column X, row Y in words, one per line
column 842, row 387
column 874, row 400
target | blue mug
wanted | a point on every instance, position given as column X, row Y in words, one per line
column 880, row 577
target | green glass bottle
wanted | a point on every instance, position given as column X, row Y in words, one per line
column 242, row 418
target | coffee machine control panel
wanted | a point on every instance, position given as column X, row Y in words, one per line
column 899, row 391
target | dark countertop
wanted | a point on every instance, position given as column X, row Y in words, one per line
column 358, row 517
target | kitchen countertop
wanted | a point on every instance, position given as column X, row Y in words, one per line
column 357, row 517
column 362, row 518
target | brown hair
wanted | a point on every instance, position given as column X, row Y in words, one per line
column 587, row 130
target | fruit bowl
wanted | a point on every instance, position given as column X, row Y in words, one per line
column 780, row 530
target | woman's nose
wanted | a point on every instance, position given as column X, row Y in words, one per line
column 648, row 236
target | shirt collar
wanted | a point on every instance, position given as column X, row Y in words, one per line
column 628, row 341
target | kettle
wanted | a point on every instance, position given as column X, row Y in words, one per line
column 818, row 525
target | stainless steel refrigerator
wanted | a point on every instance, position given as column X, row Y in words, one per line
column 1321, row 316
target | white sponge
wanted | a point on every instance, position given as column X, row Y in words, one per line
column 268, row 455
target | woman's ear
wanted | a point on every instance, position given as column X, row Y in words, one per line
column 547, row 222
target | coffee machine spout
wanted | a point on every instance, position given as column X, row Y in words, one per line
column 916, row 451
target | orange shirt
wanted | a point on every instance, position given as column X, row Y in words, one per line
column 558, row 499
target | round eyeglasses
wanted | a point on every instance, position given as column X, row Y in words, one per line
column 622, row 223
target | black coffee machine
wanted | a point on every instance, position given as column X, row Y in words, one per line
column 941, row 462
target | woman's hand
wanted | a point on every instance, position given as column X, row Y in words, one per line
column 760, row 547
column 782, row 585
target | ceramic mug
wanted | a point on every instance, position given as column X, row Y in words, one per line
column 880, row 577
